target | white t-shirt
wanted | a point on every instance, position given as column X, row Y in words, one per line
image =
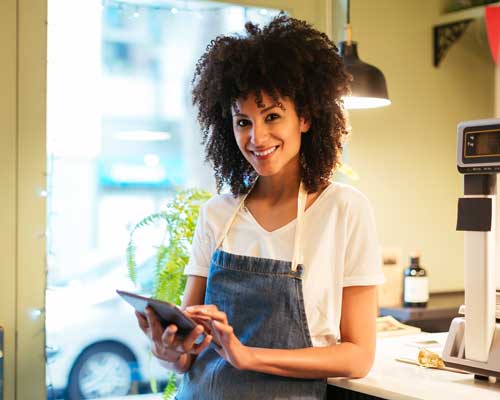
column 339, row 248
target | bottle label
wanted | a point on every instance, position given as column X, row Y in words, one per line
column 416, row 289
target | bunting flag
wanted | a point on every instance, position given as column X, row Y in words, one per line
column 492, row 16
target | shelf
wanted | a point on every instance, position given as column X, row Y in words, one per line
column 449, row 27
column 436, row 317
column 468, row 13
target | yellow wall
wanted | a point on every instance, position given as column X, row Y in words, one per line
column 405, row 153
column 8, row 180
column 22, row 209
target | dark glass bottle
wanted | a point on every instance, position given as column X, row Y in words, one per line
column 415, row 284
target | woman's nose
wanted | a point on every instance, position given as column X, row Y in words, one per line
column 259, row 134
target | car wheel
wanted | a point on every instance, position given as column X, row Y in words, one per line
column 102, row 370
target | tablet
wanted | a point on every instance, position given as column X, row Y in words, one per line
column 167, row 312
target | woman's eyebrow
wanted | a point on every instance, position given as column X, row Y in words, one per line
column 261, row 111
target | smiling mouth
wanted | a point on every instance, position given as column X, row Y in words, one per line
column 265, row 153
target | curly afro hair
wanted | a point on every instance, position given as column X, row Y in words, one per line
column 286, row 58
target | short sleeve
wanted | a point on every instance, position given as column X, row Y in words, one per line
column 201, row 248
column 363, row 261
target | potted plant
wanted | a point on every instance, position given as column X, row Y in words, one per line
column 172, row 254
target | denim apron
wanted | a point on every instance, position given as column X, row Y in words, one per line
column 264, row 304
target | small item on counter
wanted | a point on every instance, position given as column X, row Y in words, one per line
column 415, row 283
column 390, row 326
column 424, row 350
column 390, row 293
column 429, row 359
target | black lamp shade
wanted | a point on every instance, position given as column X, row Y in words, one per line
column 368, row 81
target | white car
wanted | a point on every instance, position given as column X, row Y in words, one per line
column 95, row 347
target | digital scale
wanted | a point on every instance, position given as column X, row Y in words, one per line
column 473, row 342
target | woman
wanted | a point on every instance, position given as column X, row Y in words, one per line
column 285, row 266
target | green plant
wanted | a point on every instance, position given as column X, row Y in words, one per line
column 172, row 254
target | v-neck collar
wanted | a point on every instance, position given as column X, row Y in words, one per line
column 289, row 224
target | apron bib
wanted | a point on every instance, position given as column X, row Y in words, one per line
column 264, row 304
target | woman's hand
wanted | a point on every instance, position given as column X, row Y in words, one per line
column 232, row 350
column 165, row 344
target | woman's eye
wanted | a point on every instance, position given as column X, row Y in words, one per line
column 272, row 117
column 242, row 122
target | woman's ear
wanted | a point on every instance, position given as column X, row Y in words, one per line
column 305, row 124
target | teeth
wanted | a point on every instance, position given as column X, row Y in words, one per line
column 264, row 153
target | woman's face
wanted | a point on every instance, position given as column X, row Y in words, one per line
column 269, row 137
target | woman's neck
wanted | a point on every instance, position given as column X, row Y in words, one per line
column 278, row 187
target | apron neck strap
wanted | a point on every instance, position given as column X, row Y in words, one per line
column 301, row 208
column 225, row 231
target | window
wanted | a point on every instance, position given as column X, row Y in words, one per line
column 122, row 138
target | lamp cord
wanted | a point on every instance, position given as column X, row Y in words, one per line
column 348, row 24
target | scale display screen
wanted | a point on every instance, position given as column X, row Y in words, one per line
column 484, row 143
column 478, row 146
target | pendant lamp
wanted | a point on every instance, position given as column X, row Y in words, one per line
column 368, row 87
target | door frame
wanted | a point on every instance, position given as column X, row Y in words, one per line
column 8, row 199
column 31, row 205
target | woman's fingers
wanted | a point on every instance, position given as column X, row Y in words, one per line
column 209, row 310
column 167, row 340
column 168, row 336
column 156, row 330
column 203, row 345
column 189, row 341
column 221, row 332
column 202, row 308
column 188, row 344
column 206, row 323
column 143, row 323
column 228, row 329
column 221, row 316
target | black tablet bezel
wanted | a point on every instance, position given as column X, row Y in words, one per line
column 168, row 313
